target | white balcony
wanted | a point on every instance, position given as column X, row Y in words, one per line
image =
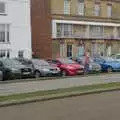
column 83, row 35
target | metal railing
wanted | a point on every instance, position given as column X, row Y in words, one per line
column 89, row 36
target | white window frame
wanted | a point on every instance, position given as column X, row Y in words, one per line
column 97, row 9
column 96, row 31
column 81, row 6
column 5, row 8
column 65, row 30
column 109, row 10
column 67, row 5
column 6, row 34
column 5, row 52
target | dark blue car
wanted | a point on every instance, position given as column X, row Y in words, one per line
column 108, row 64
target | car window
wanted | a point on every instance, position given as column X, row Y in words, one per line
column 40, row 62
column 53, row 61
column 99, row 60
column 1, row 64
column 66, row 61
column 118, row 57
column 43, row 62
column 10, row 62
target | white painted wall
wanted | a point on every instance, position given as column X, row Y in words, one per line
column 18, row 16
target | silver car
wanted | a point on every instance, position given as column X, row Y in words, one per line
column 43, row 68
column 93, row 67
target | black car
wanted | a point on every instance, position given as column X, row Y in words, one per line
column 12, row 69
column 1, row 75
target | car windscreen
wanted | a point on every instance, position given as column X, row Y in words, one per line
column 82, row 59
column 40, row 62
column 66, row 61
column 109, row 59
column 10, row 62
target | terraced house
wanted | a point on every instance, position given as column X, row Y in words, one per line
column 15, row 28
column 76, row 26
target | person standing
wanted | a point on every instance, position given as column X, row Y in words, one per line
column 86, row 62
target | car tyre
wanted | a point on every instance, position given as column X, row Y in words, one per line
column 64, row 73
column 37, row 74
column 109, row 69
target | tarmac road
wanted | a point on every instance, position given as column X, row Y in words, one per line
column 104, row 106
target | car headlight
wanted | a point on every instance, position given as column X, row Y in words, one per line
column 15, row 70
column 46, row 70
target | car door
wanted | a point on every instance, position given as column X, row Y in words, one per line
column 118, row 57
column 2, row 67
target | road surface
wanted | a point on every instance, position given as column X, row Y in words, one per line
column 104, row 106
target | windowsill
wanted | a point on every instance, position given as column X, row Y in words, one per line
column 4, row 42
column 3, row 14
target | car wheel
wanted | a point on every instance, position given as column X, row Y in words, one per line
column 37, row 74
column 64, row 73
column 109, row 69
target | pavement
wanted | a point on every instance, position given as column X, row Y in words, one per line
column 33, row 86
column 104, row 106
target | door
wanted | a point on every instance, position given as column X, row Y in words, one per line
column 80, row 50
column 69, row 50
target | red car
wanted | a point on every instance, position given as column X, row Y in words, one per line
column 67, row 66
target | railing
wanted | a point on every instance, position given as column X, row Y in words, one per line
column 83, row 35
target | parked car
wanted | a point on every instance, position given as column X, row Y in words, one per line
column 67, row 66
column 116, row 57
column 93, row 67
column 12, row 69
column 43, row 68
column 26, row 62
column 108, row 64
column 1, row 75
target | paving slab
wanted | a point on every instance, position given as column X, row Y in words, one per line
column 33, row 86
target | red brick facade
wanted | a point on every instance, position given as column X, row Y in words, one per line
column 41, row 28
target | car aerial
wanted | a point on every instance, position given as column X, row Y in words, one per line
column 93, row 67
column 43, row 68
column 67, row 66
column 108, row 64
column 12, row 69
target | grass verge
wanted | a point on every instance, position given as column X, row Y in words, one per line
column 59, row 93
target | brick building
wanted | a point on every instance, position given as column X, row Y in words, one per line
column 41, row 28
column 70, row 27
